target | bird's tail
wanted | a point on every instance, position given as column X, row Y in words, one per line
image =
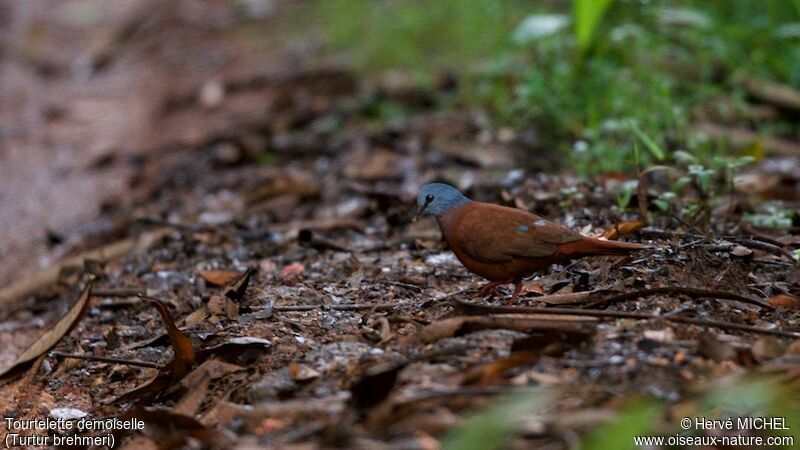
column 593, row 246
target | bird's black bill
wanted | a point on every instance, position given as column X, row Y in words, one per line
column 420, row 211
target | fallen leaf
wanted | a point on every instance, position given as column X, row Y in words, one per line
column 291, row 274
column 713, row 348
column 67, row 413
column 784, row 301
column 267, row 266
column 623, row 228
column 240, row 350
column 301, row 372
column 534, row 287
column 526, row 351
column 794, row 348
column 664, row 336
column 766, row 348
column 181, row 344
column 462, row 325
column 223, row 306
column 492, row 373
column 741, row 251
column 236, row 290
column 172, row 430
column 375, row 385
column 190, row 403
column 53, row 335
column 552, row 343
column 183, row 360
column 196, row 317
column 219, row 277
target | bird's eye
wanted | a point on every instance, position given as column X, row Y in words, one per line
column 428, row 198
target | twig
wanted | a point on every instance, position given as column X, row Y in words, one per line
column 679, row 290
column 409, row 286
column 753, row 243
column 564, row 299
column 687, row 224
column 760, row 245
column 117, row 292
column 351, row 307
column 45, row 277
column 471, row 308
column 127, row 362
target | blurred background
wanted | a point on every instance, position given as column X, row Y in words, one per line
column 293, row 135
column 100, row 99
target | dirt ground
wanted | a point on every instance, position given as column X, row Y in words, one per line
column 269, row 210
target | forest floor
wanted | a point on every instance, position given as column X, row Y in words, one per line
column 320, row 315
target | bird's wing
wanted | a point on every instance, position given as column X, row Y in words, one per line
column 496, row 234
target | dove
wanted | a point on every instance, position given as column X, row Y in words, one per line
column 505, row 245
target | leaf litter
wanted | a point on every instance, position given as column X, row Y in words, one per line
column 357, row 330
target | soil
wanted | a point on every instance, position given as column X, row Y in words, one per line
column 278, row 205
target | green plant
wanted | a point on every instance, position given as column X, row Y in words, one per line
column 587, row 15
column 625, row 194
column 494, row 427
column 744, row 396
column 774, row 216
column 635, row 419
column 652, row 65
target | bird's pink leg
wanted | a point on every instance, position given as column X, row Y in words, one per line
column 517, row 290
column 491, row 288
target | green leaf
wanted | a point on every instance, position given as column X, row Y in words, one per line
column 635, row 419
column 662, row 204
column 705, row 181
column 654, row 149
column 494, row 427
column 681, row 183
column 587, row 17
column 625, row 196
column 744, row 160
column 684, row 157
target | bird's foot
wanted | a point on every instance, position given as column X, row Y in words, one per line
column 517, row 290
column 489, row 289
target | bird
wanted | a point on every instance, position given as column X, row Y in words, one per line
column 503, row 244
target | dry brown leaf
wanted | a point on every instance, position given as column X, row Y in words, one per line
column 458, row 326
column 767, row 348
column 238, row 350
column 191, row 401
column 239, row 286
column 492, row 373
column 53, row 335
column 219, row 277
column 301, row 372
column 223, row 306
column 784, row 301
column 181, row 344
column 375, row 385
column 216, row 304
column 741, row 251
column 197, row 316
column 291, row 274
column 171, row 373
column 301, row 184
column 794, row 348
column 534, row 287
column 173, row 430
column 712, row 347
column 623, row 228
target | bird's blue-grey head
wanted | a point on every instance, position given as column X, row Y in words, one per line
column 436, row 199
